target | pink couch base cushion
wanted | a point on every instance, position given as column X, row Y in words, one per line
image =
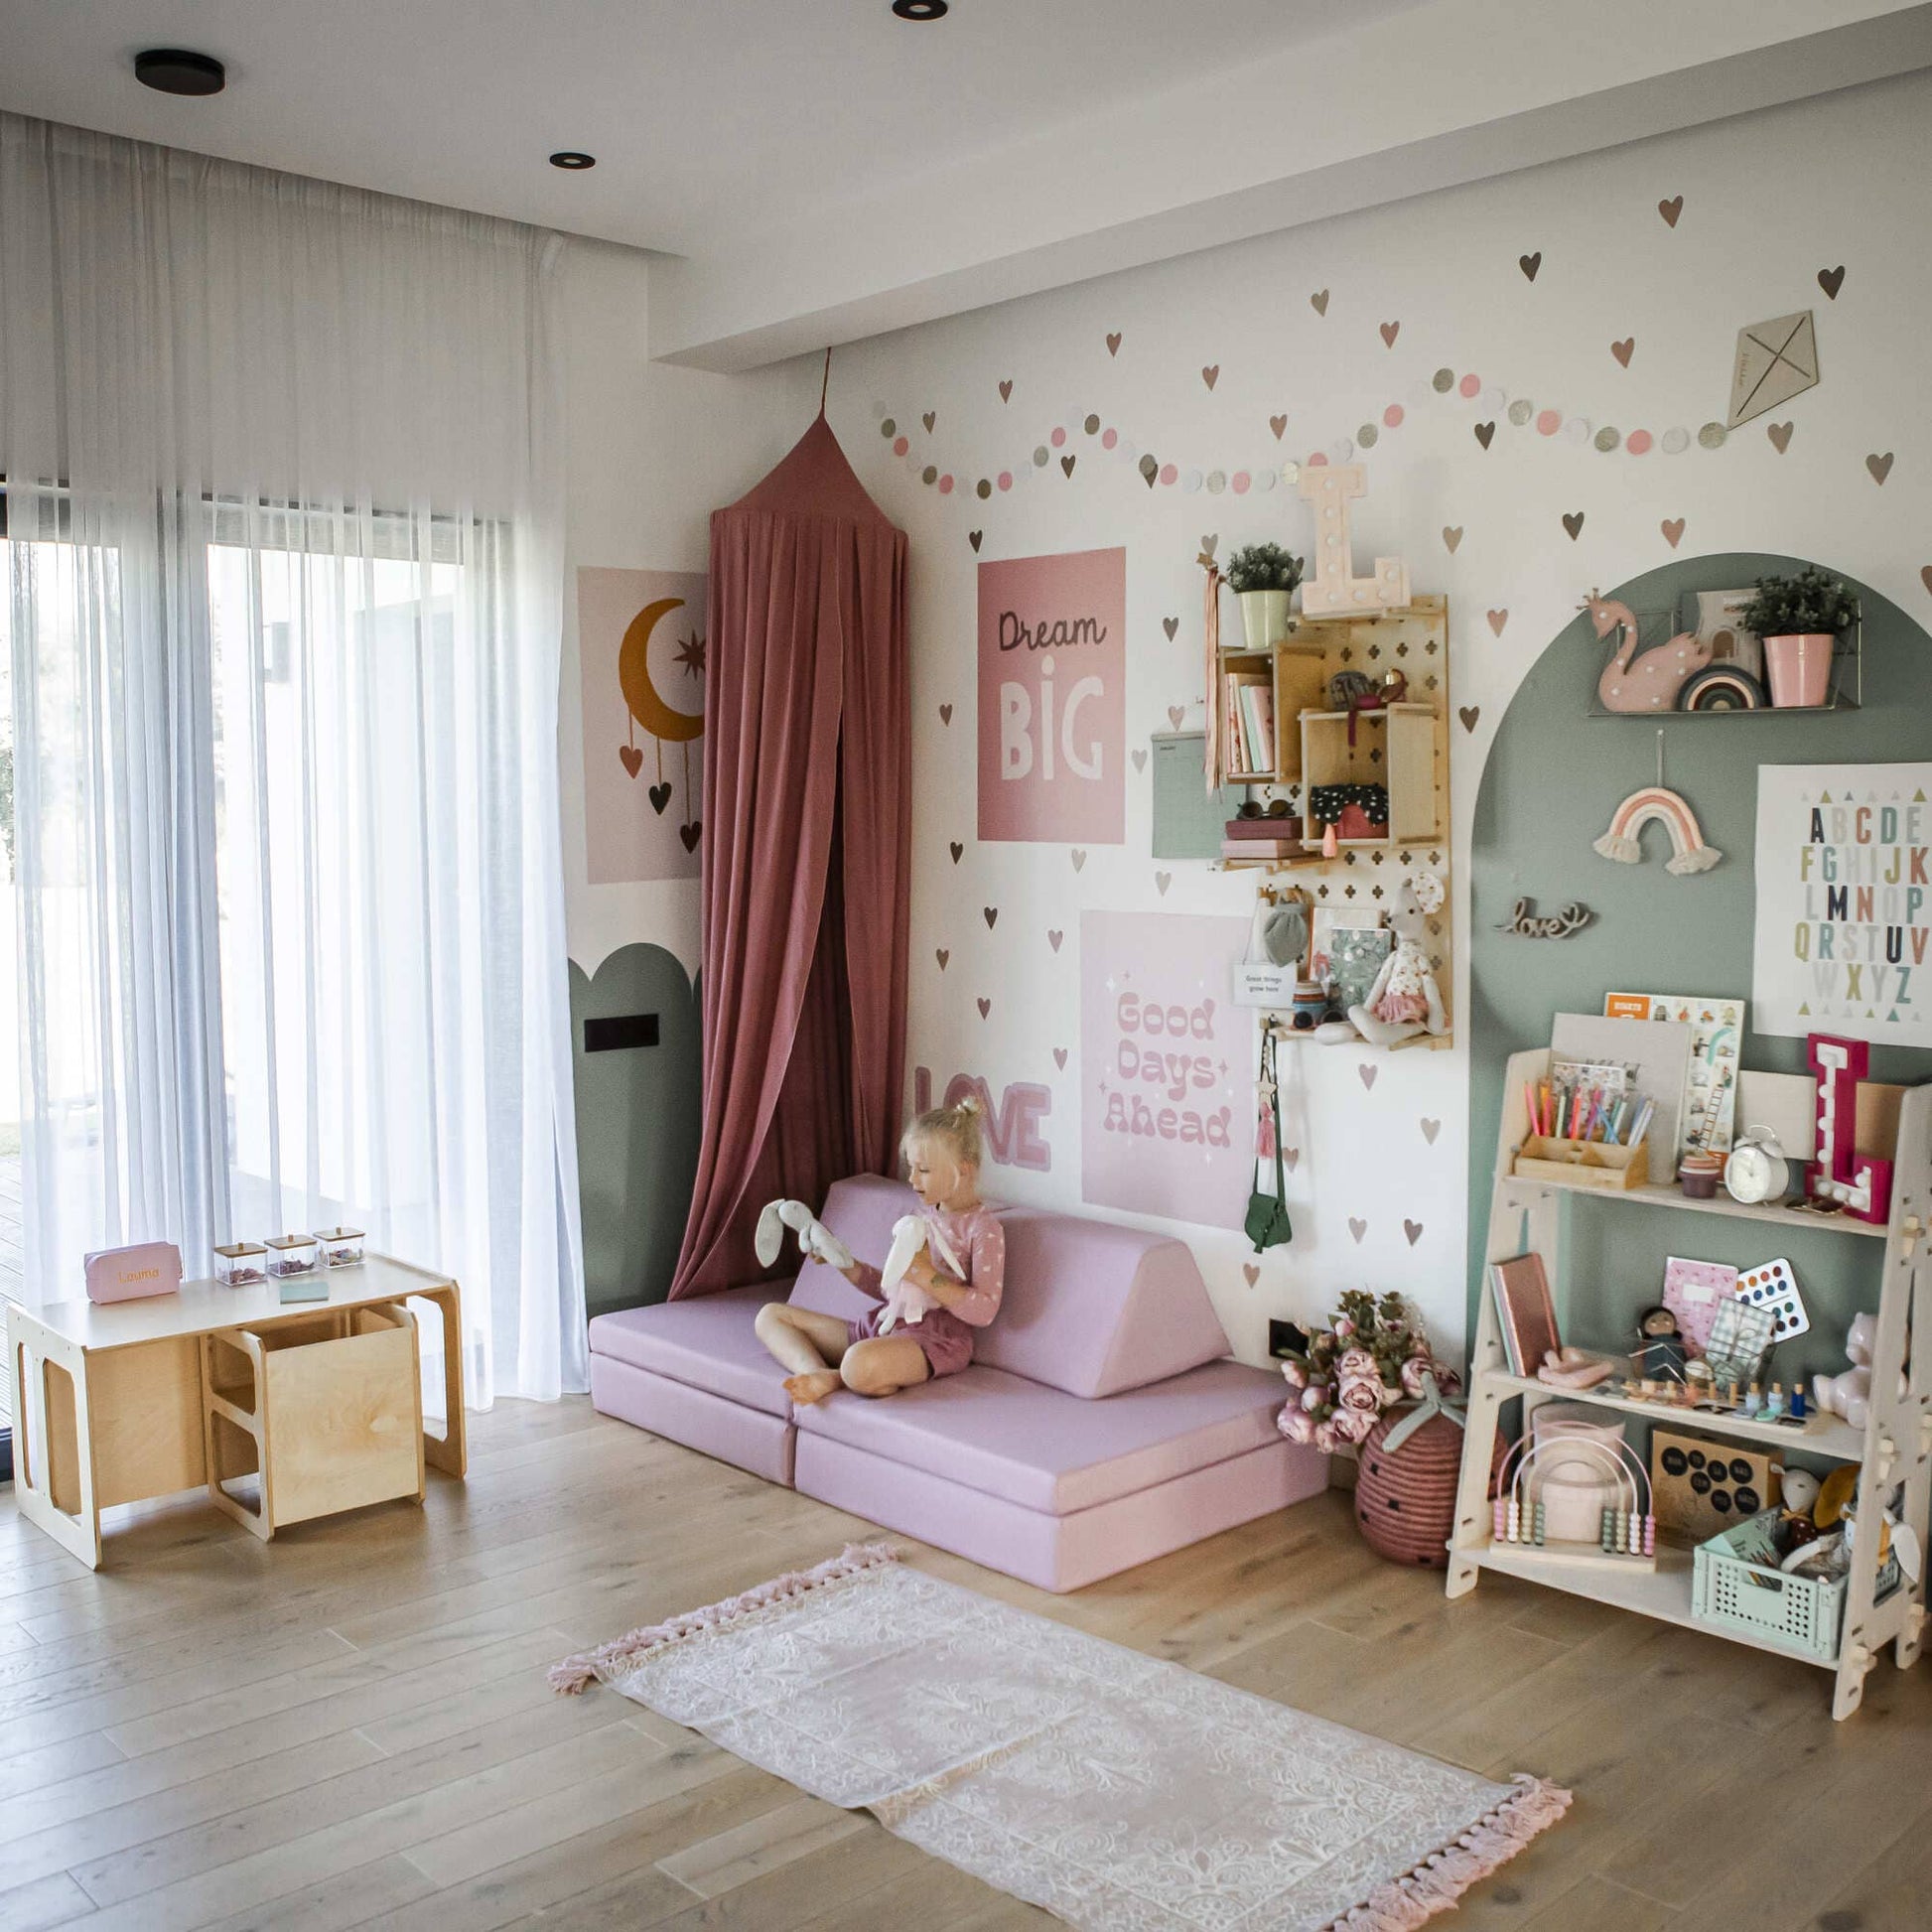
column 707, row 1342
column 746, row 1438
column 1091, row 1308
column 1059, row 1552
column 1045, row 1451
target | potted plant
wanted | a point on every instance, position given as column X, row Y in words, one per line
column 1345, row 1388
column 1264, row 576
column 1799, row 620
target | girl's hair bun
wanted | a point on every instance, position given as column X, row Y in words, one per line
column 970, row 1104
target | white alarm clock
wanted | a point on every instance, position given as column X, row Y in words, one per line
column 1757, row 1169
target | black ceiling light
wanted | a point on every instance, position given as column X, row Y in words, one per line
column 174, row 71
column 571, row 160
column 919, row 9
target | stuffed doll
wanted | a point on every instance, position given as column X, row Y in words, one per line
column 1405, row 999
column 906, row 1302
column 815, row 1239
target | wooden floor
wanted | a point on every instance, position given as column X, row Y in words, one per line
column 349, row 1726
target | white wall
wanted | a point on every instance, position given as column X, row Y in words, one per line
column 1767, row 201
column 650, row 451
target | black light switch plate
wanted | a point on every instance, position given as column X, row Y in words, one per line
column 1285, row 1339
column 618, row 1031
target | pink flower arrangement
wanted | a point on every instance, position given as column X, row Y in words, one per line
column 1371, row 1356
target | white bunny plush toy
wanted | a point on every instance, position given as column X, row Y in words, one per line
column 815, row 1239
column 1405, row 999
column 906, row 1302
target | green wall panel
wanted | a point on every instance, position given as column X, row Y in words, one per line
column 1554, row 776
column 638, row 1125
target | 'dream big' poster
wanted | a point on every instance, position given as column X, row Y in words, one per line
column 1053, row 697
column 1843, row 929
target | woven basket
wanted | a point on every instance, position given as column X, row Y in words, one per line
column 1405, row 1502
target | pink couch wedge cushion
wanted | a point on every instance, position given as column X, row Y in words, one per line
column 1047, row 1451
column 706, row 1342
column 1089, row 1307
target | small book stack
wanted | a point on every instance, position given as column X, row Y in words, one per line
column 1262, row 838
column 1247, row 718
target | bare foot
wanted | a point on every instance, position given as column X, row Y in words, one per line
column 815, row 1387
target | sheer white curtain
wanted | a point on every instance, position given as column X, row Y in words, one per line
column 285, row 605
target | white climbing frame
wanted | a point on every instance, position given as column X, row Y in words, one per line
column 1895, row 1446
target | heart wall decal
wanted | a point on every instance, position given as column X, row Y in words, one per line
column 1368, row 1073
column 1139, row 757
column 1497, row 618
column 945, row 714
column 1671, row 209
column 1624, row 350
column 1251, row 1273
column 1006, row 390
column 1059, row 1057
column 941, row 954
column 1413, row 1229
column 991, row 917
column 1318, row 302
column 1830, row 280
column 1485, row 433
column 1573, row 522
column 691, row 833
column 1390, row 331
column 1078, row 857
column 957, row 850
column 984, row 1006
column 1357, row 1228
column 1278, row 424
column 660, row 796
column 1673, row 529
column 1880, row 466
column 1176, row 713
column 1452, row 537
column 1113, row 343
column 1066, row 466
column 928, row 419
column 1054, row 937
column 1162, row 880
column 1780, row 435
column 1529, row 264
column 973, row 537
column 1925, row 576
column 1212, row 374
column 1468, row 713
column 1429, row 1129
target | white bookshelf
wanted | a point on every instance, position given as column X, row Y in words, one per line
column 1893, row 1448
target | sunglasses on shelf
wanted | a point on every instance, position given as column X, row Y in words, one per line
column 1254, row 808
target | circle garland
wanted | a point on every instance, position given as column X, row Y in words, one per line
column 1519, row 411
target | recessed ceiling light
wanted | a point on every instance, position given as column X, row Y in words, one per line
column 174, row 71
column 569, row 157
column 919, row 9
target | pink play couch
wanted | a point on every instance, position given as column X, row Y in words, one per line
column 1097, row 1428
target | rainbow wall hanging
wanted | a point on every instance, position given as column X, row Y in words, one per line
column 1659, row 805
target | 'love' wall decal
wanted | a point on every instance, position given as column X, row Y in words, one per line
column 1164, row 1122
column 1016, row 1134
column 1053, row 697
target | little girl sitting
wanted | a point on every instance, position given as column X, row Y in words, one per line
column 908, row 1336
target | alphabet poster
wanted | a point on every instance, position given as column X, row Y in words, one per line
column 1166, row 1088
column 1844, row 932
column 640, row 641
column 1053, row 697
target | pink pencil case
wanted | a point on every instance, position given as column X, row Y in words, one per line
column 127, row 1274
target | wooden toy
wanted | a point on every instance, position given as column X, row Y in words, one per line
column 1704, row 1486
column 1626, row 1528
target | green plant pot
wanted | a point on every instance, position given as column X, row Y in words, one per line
column 1264, row 618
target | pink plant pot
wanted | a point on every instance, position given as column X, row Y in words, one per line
column 1800, row 668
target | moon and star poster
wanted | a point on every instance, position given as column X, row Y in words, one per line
column 641, row 644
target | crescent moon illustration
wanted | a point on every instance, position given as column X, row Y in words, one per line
column 634, row 677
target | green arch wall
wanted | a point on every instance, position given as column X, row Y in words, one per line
column 1554, row 776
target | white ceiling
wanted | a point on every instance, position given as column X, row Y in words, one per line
column 823, row 171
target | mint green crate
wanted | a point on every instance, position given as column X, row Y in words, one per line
column 1736, row 1587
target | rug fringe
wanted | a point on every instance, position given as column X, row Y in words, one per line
column 576, row 1674
column 1443, row 1877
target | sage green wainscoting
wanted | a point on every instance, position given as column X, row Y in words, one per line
column 1554, row 776
column 638, row 1125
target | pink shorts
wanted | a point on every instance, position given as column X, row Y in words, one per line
column 944, row 1339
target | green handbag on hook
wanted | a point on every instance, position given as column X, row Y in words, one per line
column 1267, row 1225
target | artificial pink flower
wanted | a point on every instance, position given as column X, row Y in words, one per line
column 1357, row 1362
column 1315, row 1397
column 1413, row 1371
column 1294, row 1375
column 1325, row 1438
column 1343, row 1327
column 1390, row 1396
column 1352, row 1424
column 1447, row 1382
column 1363, row 1394
column 1297, row 1426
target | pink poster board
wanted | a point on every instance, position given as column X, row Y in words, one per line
column 1053, row 697
column 640, row 644
column 1166, row 1085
